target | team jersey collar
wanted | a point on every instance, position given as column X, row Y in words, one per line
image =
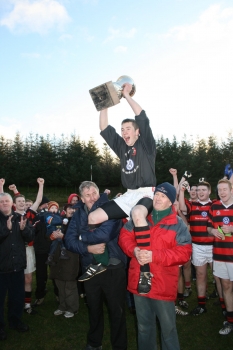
column 204, row 203
column 226, row 205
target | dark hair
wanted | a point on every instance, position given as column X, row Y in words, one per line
column 18, row 196
column 66, row 206
column 128, row 120
column 204, row 183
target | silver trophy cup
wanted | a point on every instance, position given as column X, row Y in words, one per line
column 110, row 93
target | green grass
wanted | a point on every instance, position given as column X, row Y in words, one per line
column 56, row 332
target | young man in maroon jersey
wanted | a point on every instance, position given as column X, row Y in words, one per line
column 202, row 242
column 220, row 225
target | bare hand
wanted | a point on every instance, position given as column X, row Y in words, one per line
column 145, row 256
column 12, row 187
column 22, row 223
column 9, row 223
column 40, row 181
column 215, row 232
column 173, row 171
column 184, row 186
column 96, row 248
column 107, row 191
column 56, row 234
column 2, row 182
column 126, row 89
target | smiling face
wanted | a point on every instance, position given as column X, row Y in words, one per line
column 225, row 193
column 89, row 196
column 193, row 193
column 6, row 204
column 129, row 134
column 203, row 193
column 20, row 204
column 161, row 201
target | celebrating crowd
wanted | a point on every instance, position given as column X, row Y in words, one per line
column 153, row 226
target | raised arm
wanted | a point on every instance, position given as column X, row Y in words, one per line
column 182, row 204
column 173, row 172
column 133, row 104
column 38, row 200
column 103, row 121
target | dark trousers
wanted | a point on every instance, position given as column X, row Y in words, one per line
column 13, row 283
column 110, row 285
column 41, row 275
column 68, row 295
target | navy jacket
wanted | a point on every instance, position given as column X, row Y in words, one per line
column 107, row 232
column 12, row 244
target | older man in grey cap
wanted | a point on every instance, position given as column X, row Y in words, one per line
column 169, row 244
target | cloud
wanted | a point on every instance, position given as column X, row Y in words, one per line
column 120, row 33
column 120, row 49
column 213, row 24
column 191, row 78
column 37, row 16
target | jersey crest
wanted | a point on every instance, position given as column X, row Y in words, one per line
column 226, row 220
column 129, row 164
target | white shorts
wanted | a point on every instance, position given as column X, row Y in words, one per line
column 31, row 260
column 202, row 254
column 130, row 198
column 223, row 270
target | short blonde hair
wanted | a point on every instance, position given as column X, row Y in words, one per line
column 225, row 181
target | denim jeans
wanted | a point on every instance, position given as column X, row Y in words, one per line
column 147, row 309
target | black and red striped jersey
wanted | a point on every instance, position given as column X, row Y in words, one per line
column 220, row 215
column 31, row 216
column 198, row 218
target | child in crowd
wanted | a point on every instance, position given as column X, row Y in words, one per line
column 54, row 222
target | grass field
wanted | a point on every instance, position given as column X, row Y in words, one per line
column 56, row 332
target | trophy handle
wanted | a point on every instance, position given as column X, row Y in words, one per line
column 118, row 85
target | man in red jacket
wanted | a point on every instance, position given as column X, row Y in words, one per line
column 170, row 246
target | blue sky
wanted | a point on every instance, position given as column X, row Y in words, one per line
column 179, row 53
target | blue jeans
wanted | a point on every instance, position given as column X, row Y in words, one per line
column 147, row 309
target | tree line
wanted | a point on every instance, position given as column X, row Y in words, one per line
column 69, row 161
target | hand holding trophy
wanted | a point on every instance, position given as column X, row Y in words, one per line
column 110, row 93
